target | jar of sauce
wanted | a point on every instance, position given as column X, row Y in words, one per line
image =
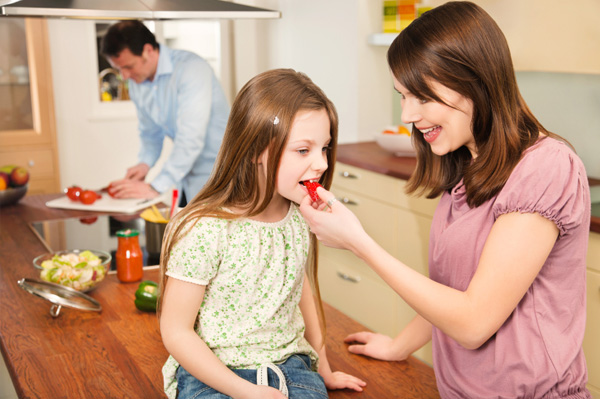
column 129, row 256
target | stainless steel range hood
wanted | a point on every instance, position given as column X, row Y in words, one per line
column 133, row 9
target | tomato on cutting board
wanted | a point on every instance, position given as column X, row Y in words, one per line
column 73, row 193
column 88, row 197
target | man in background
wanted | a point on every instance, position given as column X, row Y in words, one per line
column 176, row 95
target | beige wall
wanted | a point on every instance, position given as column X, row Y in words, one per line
column 325, row 39
column 549, row 35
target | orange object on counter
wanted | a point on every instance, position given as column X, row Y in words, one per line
column 401, row 130
column 129, row 257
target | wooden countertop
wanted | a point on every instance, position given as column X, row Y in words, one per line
column 119, row 352
column 369, row 156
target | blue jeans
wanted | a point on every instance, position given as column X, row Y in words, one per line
column 302, row 382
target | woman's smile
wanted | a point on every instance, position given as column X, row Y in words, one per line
column 431, row 133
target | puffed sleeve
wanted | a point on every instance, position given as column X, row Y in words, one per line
column 196, row 257
column 550, row 180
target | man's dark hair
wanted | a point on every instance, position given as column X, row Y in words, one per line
column 127, row 34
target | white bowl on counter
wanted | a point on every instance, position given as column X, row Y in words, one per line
column 399, row 144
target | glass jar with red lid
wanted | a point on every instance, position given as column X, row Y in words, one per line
column 129, row 256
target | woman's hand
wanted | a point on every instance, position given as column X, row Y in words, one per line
column 333, row 224
column 377, row 346
column 341, row 380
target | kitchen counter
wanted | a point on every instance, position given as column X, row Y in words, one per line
column 119, row 352
column 369, row 156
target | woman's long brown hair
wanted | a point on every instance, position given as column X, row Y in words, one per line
column 461, row 47
column 251, row 130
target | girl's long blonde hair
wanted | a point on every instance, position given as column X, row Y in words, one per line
column 251, row 130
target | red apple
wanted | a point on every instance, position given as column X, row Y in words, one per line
column 19, row 177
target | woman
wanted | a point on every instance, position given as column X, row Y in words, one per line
column 504, row 303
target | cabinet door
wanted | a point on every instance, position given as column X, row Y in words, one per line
column 40, row 164
column 27, row 126
column 27, row 106
column 365, row 298
column 381, row 188
column 591, row 342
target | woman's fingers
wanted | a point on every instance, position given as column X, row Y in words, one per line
column 326, row 196
column 361, row 337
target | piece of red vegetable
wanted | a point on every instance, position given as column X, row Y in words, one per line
column 311, row 186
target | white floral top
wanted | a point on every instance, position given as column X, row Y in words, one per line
column 253, row 272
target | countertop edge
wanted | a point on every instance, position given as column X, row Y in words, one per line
column 368, row 155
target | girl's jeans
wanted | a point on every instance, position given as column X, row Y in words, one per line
column 301, row 381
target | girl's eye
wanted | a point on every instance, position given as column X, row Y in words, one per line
column 422, row 100
column 326, row 149
column 303, row 151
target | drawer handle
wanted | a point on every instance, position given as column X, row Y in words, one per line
column 347, row 277
column 348, row 175
column 347, row 201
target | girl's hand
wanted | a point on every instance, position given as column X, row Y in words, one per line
column 264, row 392
column 333, row 224
column 341, row 380
column 377, row 346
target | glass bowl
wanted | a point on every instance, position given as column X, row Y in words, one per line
column 73, row 268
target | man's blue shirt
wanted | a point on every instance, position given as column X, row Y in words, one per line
column 185, row 102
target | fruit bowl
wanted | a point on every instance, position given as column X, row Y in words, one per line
column 12, row 195
column 399, row 144
column 79, row 269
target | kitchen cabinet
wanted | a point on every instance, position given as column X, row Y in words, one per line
column 543, row 35
column 400, row 224
column 591, row 342
column 27, row 124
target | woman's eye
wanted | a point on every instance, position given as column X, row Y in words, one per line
column 303, row 151
column 326, row 149
column 422, row 100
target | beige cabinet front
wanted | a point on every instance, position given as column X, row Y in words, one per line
column 591, row 342
column 400, row 224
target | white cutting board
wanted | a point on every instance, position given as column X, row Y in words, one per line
column 105, row 204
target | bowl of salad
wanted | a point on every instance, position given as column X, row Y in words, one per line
column 79, row 269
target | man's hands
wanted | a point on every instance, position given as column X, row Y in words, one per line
column 133, row 185
column 137, row 172
column 126, row 188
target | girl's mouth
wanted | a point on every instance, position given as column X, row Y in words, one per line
column 305, row 182
column 431, row 134
column 311, row 186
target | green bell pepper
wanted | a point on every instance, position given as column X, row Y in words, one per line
column 146, row 296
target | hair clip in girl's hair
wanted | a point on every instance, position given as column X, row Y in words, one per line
column 276, row 121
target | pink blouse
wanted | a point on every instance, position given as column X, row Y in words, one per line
column 537, row 352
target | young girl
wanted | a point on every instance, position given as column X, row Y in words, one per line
column 504, row 303
column 236, row 310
